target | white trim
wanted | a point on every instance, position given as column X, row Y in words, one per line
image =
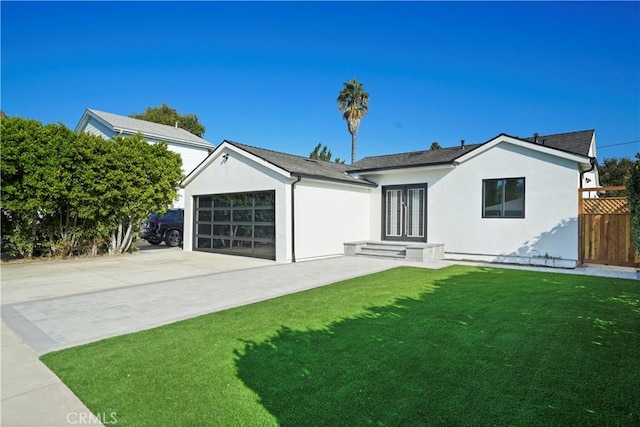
column 228, row 148
column 162, row 138
column 523, row 144
column 534, row 261
column 399, row 170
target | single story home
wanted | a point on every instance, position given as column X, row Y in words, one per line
column 192, row 148
column 509, row 199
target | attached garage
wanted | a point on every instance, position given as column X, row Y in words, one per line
column 236, row 223
column 248, row 201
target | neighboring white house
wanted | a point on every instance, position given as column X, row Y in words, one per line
column 191, row 148
column 509, row 199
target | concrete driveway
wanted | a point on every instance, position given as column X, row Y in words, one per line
column 48, row 306
column 31, row 394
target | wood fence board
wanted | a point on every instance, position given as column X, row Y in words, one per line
column 605, row 229
column 606, row 238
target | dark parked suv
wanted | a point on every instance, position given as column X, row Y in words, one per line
column 164, row 228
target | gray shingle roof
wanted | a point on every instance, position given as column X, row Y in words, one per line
column 570, row 142
column 303, row 166
column 415, row 158
column 160, row 131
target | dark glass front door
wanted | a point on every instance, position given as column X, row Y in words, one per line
column 404, row 212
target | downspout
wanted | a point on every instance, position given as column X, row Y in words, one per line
column 592, row 160
column 293, row 219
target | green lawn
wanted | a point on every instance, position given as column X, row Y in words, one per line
column 462, row 346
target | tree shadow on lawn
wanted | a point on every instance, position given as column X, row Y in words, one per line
column 484, row 349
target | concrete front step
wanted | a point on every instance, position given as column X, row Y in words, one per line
column 379, row 255
column 411, row 251
column 379, row 250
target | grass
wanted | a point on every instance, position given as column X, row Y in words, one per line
column 461, row 346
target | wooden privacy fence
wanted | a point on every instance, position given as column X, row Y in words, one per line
column 604, row 228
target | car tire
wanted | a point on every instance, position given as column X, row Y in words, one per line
column 173, row 238
column 154, row 242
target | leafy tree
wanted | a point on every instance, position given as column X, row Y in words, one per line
column 65, row 193
column 353, row 100
column 435, row 146
column 168, row 116
column 614, row 171
column 633, row 193
column 323, row 154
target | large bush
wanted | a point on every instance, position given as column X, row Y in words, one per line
column 65, row 193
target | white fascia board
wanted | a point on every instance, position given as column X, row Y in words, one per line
column 225, row 148
column 82, row 123
column 84, row 120
column 400, row 170
column 592, row 146
column 162, row 137
column 336, row 182
column 583, row 161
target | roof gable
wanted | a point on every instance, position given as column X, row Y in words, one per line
column 414, row 159
column 287, row 164
column 304, row 166
column 130, row 126
column 530, row 144
column 571, row 143
column 578, row 142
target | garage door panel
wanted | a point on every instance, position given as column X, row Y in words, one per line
column 238, row 223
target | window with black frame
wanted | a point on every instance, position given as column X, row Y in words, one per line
column 503, row 198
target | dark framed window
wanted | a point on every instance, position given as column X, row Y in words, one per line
column 503, row 198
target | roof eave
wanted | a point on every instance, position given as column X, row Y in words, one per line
column 361, row 183
column 438, row 165
column 504, row 138
column 239, row 150
column 162, row 137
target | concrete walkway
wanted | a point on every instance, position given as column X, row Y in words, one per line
column 53, row 305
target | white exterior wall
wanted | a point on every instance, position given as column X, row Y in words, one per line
column 327, row 215
column 191, row 156
column 454, row 208
column 429, row 175
column 237, row 175
column 94, row 127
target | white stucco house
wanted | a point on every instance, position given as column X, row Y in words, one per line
column 192, row 148
column 509, row 199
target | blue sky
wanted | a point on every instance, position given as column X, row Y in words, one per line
column 268, row 73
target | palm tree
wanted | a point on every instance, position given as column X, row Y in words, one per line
column 353, row 101
column 435, row 146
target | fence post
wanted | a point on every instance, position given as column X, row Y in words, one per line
column 580, row 227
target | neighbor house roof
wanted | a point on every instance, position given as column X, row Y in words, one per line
column 130, row 126
column 572, row 142
column 304, row 166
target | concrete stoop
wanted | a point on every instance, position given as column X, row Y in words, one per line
column 408, row 251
